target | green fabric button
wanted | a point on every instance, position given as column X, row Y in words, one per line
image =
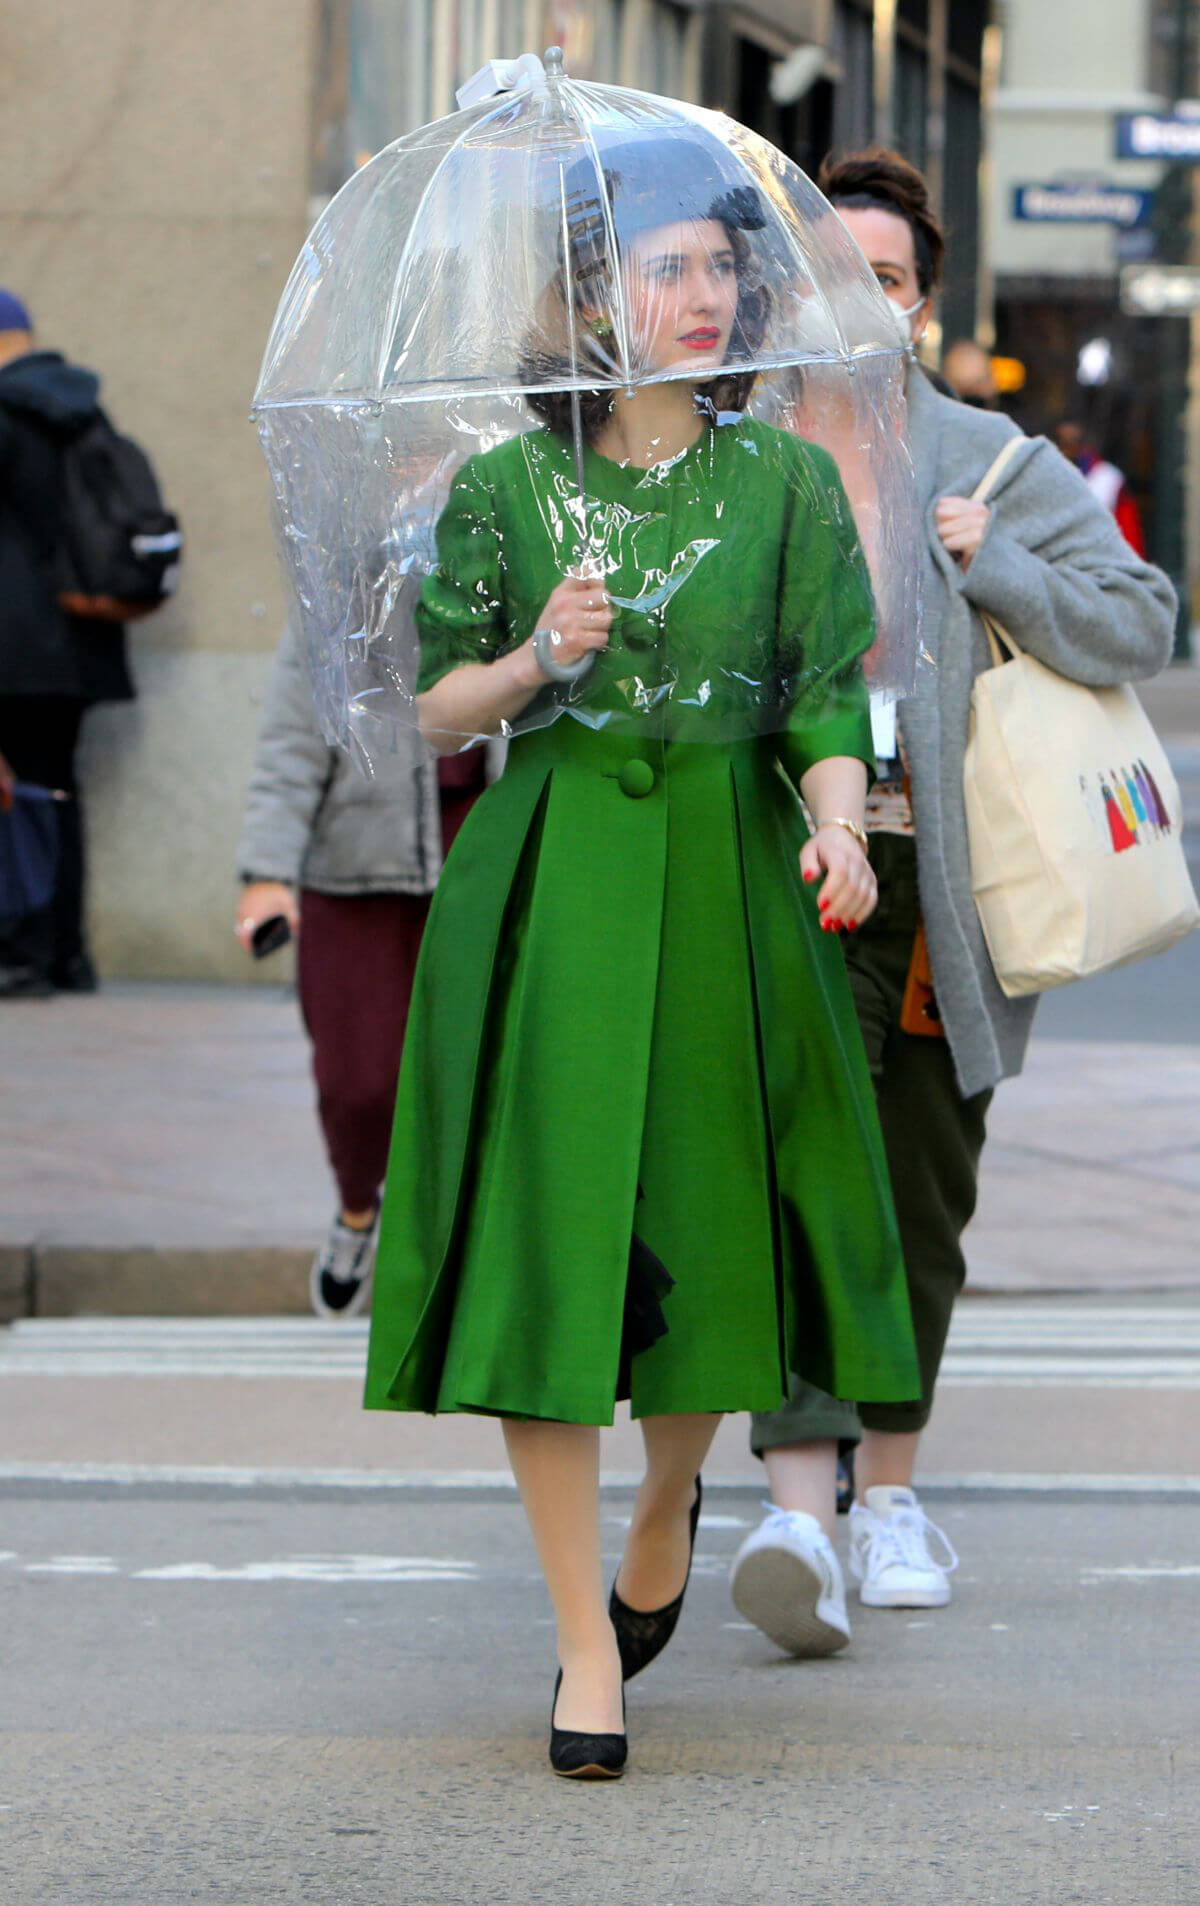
column 636, row 779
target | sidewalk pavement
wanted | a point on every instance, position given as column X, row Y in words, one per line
column 162, row 1156
column 162, row 1153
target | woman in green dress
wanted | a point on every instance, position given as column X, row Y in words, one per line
column 636, row 1152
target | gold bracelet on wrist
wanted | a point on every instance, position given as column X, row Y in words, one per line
column 851, row 827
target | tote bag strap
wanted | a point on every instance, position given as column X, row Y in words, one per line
column 998, row 638
column 1000, row 643
column 991, row 475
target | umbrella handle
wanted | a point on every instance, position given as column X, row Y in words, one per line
column 547, row 661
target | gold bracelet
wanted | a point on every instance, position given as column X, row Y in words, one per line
column 851, row 827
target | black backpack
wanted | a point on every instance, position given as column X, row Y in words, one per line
column 119, row 550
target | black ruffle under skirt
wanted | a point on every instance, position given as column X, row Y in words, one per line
column 649, row 1283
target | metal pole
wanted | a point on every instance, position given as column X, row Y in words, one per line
column 1187, row 74
column 883, row 38
column 1173, row 202
column 935, row 109
column 1191, row 494
column 985, row 275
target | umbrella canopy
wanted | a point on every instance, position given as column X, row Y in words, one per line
column 513, row 271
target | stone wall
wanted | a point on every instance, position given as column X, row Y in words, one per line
column 154, row 172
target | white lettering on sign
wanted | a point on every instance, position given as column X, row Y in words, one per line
column 1073, row 202
column 1153, row 138
column 1160, row 291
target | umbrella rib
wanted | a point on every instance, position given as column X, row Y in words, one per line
column 431, row 390
column 609, row 229
column 402, row 268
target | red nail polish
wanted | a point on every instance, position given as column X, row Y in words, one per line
column 852, row 926
column 809, row 878
column 822, row 904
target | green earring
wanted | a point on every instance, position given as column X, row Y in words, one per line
column 602, row 327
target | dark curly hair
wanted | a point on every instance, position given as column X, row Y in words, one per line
column 878, row 179
column 545, row 358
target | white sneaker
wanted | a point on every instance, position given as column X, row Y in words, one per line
column 787, row 1580
column 339, row 1284
column 889, row 1551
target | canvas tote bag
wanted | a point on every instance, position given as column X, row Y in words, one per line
column 1073, row 820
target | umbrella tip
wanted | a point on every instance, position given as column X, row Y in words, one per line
column 553, row 63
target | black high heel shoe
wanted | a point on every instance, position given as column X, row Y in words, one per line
column 641, row 1636
column 586, row 1756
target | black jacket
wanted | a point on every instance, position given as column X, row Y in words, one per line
column 43, row 401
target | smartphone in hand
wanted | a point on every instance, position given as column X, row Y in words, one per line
column 270, row 935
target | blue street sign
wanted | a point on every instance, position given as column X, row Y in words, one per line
column 1160, row 135
column 1073, row 203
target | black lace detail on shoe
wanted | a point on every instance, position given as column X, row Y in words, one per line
column 643, row 1635
column 585, row 1756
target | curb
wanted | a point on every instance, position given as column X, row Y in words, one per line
column 272, row 1281
column 152, row 1281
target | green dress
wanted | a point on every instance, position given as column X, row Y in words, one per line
column 627, row 1023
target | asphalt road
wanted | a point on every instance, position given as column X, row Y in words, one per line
column 220, row 1688
column 336, row 1696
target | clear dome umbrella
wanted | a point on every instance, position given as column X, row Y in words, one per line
column 508, row 277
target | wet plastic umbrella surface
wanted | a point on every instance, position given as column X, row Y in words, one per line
column 579, row 331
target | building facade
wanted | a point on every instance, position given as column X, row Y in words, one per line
column 1067, row 214
column 158, row 185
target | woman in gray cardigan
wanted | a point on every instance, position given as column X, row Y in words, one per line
column 1048, row 561
column 349, row 862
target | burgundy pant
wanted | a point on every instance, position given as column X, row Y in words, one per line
column 356, row 958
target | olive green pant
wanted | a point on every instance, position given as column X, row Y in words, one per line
column 933, row 1137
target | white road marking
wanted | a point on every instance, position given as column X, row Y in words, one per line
column 183, row 1476
column 74, row 1565
column 1152, row 1572
column 707, row 1521
column 1021, row 1343
column 322, row 1570
column 234, row 1476
column 327, row 1569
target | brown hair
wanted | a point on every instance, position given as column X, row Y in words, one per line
column 545, row 356
column 881, row 180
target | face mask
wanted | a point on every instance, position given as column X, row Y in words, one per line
column 904, row 318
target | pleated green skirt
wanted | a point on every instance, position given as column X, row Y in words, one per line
column 627, row 1019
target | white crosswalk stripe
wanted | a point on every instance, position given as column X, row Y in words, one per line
column 992, row 1341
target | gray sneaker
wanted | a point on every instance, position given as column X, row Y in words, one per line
column 340, row 1281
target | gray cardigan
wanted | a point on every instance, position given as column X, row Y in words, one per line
column 1054, row 568
column 313, row 819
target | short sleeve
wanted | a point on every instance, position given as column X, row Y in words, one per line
column 826, row 622
column 460, row 612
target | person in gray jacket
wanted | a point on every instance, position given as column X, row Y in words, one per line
column 349, row 864
column 1048, row 561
